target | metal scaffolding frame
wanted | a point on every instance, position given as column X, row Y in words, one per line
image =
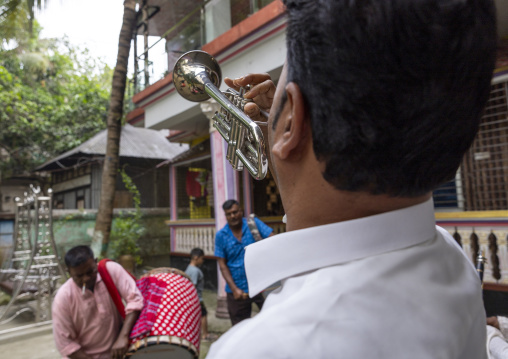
column 33, row 272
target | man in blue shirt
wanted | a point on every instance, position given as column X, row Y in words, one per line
column 230, row 243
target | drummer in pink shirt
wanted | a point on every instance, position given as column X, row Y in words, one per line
column 86, row 323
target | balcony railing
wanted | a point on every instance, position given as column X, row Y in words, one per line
column 481, row 231
column 189, row 234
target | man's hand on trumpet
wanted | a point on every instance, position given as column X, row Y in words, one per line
column 261, row 92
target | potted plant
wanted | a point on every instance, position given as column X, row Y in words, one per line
column 126, row 230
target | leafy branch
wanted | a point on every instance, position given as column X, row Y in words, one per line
column 127, row 229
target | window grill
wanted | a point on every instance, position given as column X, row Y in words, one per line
column 481, row 183
column 485, row 165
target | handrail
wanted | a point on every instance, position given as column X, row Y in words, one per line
column 190, row 222
column 211, row 221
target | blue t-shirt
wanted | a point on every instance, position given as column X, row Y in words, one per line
column 233, row 251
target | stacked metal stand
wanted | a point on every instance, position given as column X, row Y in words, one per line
column 32, row 274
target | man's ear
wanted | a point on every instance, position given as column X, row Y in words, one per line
column 292, row 131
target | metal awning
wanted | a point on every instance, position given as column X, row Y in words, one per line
column 135, row 142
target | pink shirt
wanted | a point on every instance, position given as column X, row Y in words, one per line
column 91, row 322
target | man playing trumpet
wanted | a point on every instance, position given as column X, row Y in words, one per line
column 374, row 109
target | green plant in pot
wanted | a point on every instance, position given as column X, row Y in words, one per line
column 126, row 231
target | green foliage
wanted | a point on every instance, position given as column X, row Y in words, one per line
column 124, row 237
column 13, row 18
column 53, row 97
column 18, row 16
column 127, row 229
column 132, row 189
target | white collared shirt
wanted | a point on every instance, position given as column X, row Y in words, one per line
column 389, row 286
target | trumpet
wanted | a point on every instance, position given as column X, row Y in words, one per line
column 197, row 76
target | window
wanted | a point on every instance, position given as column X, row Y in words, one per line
column 484, row 170
column 6, row 240
column 446, row 196
column 73, row 199
column 194, row 190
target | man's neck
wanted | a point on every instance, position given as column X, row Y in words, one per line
column 338, row 206
column 237, row 229
column 309, row 200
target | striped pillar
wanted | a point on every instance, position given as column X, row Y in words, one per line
column 173, row 204
column 224, row 188
column 247, row 193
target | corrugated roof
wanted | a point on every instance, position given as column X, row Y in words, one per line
column 201, row 149
column 134, row 142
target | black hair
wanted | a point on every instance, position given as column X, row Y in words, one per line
column 196, row 253
column 229, row 203
column 394, row 88
column 78, row 255
column 278, row 110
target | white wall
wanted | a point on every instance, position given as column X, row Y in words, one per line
column 266, row 56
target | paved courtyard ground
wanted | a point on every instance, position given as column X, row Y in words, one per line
column 37, row 343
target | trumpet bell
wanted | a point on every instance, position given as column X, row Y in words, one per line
column 197, row 77
column 192, row 72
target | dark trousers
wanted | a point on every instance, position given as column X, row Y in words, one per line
column 241, row 309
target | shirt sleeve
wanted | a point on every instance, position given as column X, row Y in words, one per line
column 64, row 332
column 503, row 325
column 263, row 229
column 497, row 347
column 219, row 246
column 126, row 287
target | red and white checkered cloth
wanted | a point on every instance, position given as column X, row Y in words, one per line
column 171, row 308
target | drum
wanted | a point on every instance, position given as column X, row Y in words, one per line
column 170, row 324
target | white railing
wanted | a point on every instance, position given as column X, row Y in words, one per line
column 189, row 234
column 489, row 233
column 187, row 238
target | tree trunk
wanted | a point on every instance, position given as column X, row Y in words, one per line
column 114, row 123
column 1, row 197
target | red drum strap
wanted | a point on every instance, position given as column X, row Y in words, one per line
column 110, row 285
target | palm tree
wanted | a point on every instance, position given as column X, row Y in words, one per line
column 18, row 14
column 114, row 127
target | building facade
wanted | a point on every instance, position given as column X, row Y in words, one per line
column 248, row 36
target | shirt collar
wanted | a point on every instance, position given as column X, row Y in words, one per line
column 291, row 253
